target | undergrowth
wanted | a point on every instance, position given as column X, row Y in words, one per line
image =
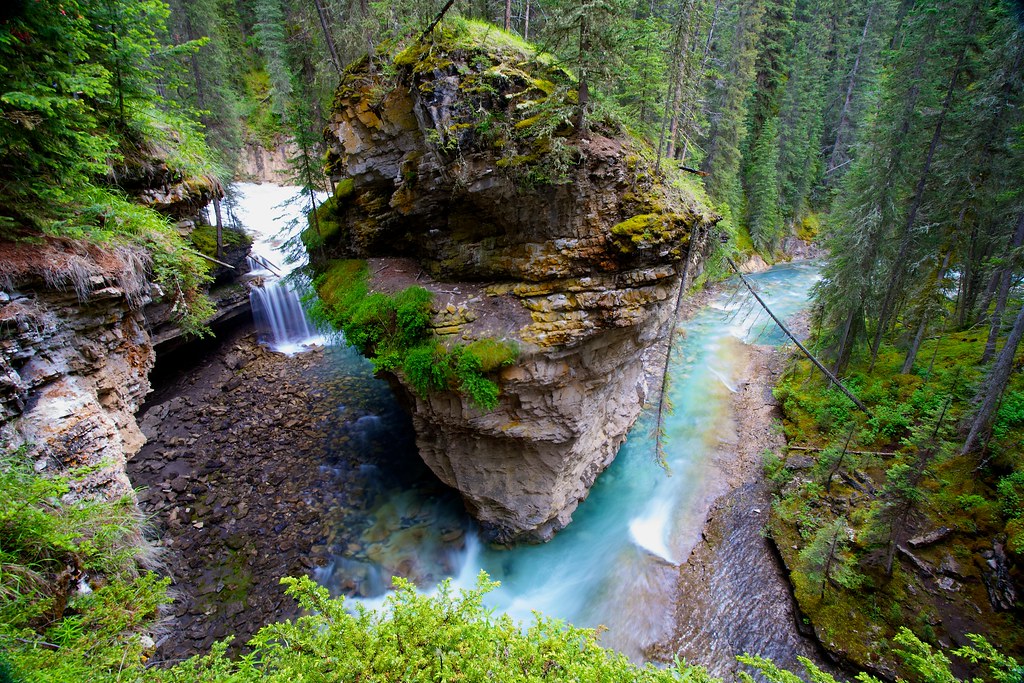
column 393, row 331
column 843, row 520
column 74, row 600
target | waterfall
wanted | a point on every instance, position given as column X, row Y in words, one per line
column 279, row 315
column 271, row 216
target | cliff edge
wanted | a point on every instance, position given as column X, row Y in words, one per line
column 460, row 167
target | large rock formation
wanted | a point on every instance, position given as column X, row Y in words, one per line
column 74, row 358
column 78, row 328
column 459, row 168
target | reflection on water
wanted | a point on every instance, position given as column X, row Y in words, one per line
column 614, row 565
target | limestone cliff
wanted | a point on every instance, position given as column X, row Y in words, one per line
column 78, row 327
column 458, row 168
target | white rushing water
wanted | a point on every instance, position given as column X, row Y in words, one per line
column 273, row 214
column 616, row 564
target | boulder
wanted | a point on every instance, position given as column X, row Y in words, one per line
column 460, row 168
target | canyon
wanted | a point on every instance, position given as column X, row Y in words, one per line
column 562, row 242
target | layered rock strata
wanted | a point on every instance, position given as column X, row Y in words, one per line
column 74, row 359
column 463, row 173
column 78, row 327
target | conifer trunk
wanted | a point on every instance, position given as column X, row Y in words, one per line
column 833, row 162
column 992, row 389
column 922, row 326
column 331, row 48
column 1005, row 278
column 896, row 274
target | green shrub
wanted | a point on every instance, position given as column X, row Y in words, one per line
column 49, row 630
column 1011, row 495
column 425, row 367
column 448, row 636
column 889, row 421
column 394, row 332
column 1010, row 415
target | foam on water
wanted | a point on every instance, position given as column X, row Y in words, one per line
column 273, row 215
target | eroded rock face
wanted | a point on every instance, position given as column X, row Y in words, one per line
column 464, row 174
column 74, row 360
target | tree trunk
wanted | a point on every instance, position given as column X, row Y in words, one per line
column 828, row 562
column 508, row 15
column 843, row 350
column 992, row 389
column 220, row 223
column 896, row 275
column 526, row 21
column 584, row 87
column 842, row 457
column 331, row 48
column 915, row 346
column 1005, row 276
column 833, row 162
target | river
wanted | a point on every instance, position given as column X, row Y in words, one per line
column 616, row 565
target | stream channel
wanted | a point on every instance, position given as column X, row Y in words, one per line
column 617, row 563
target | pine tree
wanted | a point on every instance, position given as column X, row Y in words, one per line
column 272, row 40
column 764, row 215
column 213, row 85
column 731, row 87
column 826, row 559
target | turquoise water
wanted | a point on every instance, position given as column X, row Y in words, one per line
column 615, row 564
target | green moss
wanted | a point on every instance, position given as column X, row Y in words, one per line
column 493, row 354
column 204, row 239
column 646, row 230
column 324, row 222
column 344, row 189
column 809, row 227
column 260, row 119
column 394, row 332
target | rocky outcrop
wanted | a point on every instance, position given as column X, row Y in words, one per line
column 79, row 324
column 463, row 173
column 74, row 359
column 262, row 164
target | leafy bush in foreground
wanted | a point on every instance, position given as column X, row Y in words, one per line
column 416, row 637
column 54, row 626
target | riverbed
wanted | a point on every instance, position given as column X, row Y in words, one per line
column 303, row 442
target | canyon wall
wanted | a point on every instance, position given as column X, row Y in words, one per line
column 78, row 327
column 464, row 168
column 75, row 356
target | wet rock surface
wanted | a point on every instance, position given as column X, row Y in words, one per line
column 734, row 596
column 259, row 466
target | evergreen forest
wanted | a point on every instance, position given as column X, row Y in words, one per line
column 889, row 134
